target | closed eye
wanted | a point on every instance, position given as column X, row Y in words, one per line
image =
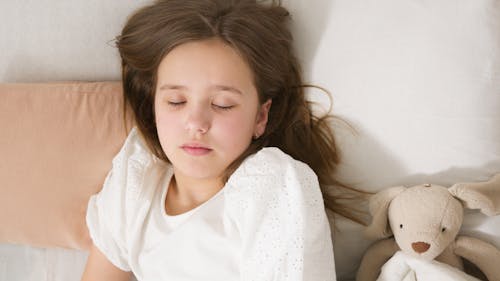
column 223, row 107
column 176, row 103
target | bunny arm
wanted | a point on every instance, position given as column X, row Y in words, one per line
column 449, row 257
column 375, row 257
column 484, row 255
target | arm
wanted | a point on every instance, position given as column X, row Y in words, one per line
column 449, row 257
column 99, row 268
column 375, row 257
column 482, row 254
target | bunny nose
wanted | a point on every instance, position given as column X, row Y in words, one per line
column 420, row 247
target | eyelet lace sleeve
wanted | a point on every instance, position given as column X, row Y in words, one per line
column 278, row 207
column 110, row 211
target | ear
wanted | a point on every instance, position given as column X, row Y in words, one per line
column 483, row 195
column 379, row 207
column 262, row 117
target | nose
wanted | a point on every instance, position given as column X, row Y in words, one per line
column 420, row 247
column 198, row 120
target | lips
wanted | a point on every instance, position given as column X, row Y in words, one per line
column 196, row 149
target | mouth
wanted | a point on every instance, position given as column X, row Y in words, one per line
column 420, row 247
column 195, row 149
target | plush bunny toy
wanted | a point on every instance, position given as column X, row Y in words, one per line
column 424, row 221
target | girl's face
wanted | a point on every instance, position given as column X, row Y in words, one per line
column 207, row 108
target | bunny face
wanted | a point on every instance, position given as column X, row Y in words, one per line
column 424, row 220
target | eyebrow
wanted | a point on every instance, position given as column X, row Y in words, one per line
column 215, row 87
column 227, row 88
column 172, row 87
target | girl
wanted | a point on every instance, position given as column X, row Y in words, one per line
column 207, row 186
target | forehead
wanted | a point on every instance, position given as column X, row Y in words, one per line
column 205, row 61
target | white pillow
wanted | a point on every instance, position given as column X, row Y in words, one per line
column 61, row 40
column 420, row 83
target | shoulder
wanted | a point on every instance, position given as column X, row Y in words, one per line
column 134, row 162
column 132, row 168
column 272, row 162
column 271, row 175
column 134, row 149
column 127, row 168
column 276, row 204
column 119, row 208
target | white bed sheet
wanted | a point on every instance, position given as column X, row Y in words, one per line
column 20, row 262
column 26, row 263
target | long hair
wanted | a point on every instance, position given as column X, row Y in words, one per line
column 259, row 32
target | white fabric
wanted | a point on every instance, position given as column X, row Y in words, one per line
column 25, row 263
column 267, row 223
column 402, row 267
column 56, row 40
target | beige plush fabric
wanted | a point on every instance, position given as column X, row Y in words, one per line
column 57, row 142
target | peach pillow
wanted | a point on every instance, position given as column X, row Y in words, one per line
column 57, row 141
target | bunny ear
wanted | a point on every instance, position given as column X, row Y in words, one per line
column 483, row 195
column 379, row 207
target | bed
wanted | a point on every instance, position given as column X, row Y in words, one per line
column 417, row 81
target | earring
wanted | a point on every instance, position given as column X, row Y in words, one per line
column 256, row 136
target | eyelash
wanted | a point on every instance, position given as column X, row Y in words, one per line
column 223, row 107
column 177, row 104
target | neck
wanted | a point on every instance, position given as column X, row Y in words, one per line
column 185, row 193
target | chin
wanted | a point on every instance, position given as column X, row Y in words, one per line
column 200, row 173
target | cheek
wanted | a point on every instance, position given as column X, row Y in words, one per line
column 166, row 126
column 237, row 128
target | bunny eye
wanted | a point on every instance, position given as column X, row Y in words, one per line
column 443, row 229
column 401, row 226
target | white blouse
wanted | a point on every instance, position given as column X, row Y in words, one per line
column 267, row 223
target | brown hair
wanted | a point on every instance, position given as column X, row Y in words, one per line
column 260, row 33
